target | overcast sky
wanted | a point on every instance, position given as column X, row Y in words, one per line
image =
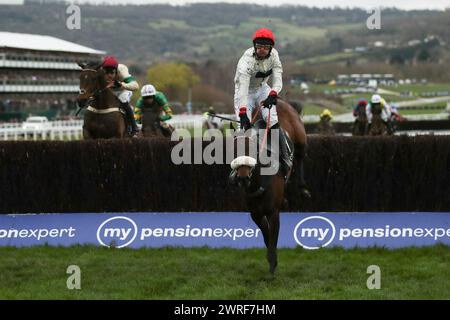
column 403, row 4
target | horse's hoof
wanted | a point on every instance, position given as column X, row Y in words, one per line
column 272, row 268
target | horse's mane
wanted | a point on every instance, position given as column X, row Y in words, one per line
column 95, row 65
column 297, row 105
column 289, row 106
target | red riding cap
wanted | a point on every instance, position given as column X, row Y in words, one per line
column 110, row 62
column 264, row 33
column 362, row 102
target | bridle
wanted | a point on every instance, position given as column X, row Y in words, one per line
column 91, row 96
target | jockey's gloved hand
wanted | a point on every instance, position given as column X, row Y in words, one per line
column 117, row 84
column 271, row 99
column 245, row 121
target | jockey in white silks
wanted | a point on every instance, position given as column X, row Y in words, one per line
column 256, row 66
column 253, row 71
column 386, row 109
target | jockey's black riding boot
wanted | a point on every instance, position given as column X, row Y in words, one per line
column 285, row 157
column 130, row 118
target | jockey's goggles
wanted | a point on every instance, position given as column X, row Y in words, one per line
column 263, row 46
column 110, row 70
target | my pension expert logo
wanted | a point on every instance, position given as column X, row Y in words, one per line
column 117, row 232
column 314, row 232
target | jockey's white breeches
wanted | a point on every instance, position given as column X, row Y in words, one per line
column 255, row 98
column 123, row 95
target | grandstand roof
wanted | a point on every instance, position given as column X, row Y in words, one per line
column 42, row 43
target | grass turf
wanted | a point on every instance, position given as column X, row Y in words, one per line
column 204, row 273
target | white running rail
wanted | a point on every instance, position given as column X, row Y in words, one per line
column 59, row 130
column 72, row 129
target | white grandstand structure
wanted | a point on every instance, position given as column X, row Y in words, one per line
column 39, row 75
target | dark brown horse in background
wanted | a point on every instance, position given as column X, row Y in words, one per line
column 151, row 124
column 360, row 124
column 264, row 194
column 103, row 118
column 378, row 127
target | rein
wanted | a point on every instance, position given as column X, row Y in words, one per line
column 265, row 133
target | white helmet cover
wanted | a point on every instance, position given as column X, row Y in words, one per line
column 148, row 90
column 376, row 98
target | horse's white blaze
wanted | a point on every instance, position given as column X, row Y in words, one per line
column 243, row 161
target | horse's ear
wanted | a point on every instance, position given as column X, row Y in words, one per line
column 96, row 65
column 100, row 71
column 81, row 64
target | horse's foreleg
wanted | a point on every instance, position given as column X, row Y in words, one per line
column 122, row 129
column 263, row 224
column 86, row 134
column 274, row 229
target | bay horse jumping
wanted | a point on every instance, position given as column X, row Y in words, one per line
column 264, row 194
column 103, row 118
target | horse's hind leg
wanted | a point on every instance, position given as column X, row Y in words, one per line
column 263, row 224
column 274, row 229
column 300, row 153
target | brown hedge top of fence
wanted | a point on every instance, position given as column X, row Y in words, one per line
column 343, row 173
